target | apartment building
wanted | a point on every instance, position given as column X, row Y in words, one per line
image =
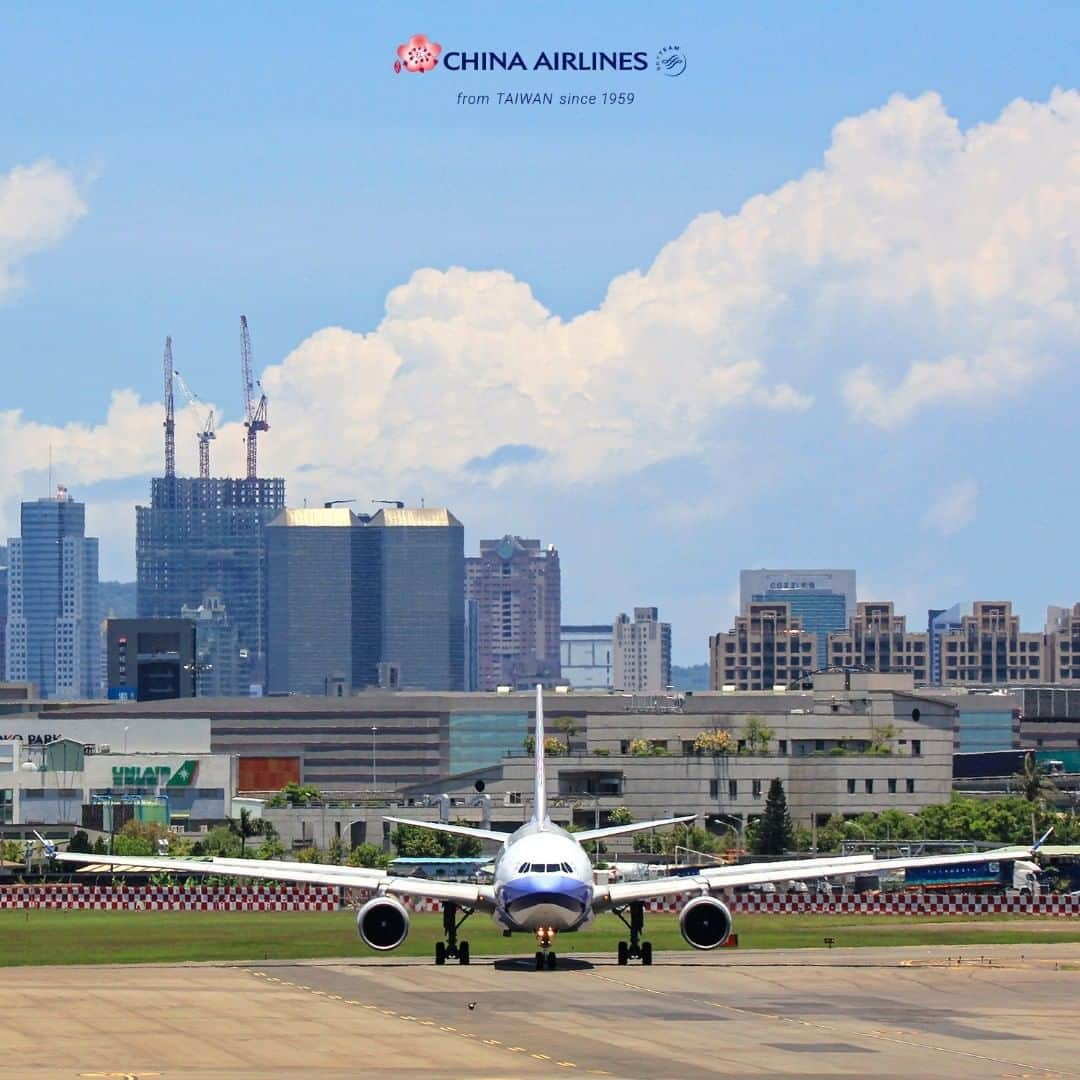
column 990, row 649
column 878, row 639
column 641, row 652
column 766, row 647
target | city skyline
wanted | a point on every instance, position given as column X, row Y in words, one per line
column 672, row 344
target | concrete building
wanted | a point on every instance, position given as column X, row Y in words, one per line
column 150, row 659
column 824, row 600
column 418, row 556
column 641, row 652
column 989, row 649
column 766, row 648
column 586, row 656
column 3, row 607
column 516, row 585
column 878, row 639
column 1049, row 717
column 310, row 598
column 53, row 636
column 942, row 621
column 1063, row 645
column 223, row 666
column 207, row 535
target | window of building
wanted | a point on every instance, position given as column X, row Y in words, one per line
column 869, row 784
column 781, row 746
column 733, row 789
column 910, row 785
column 714, row 789
column 916, row 747
column 756, row 786
column 892, row 785
column 851, row 787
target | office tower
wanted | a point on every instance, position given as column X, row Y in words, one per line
column 516, row 585
column 150, row 659
column 878, row 639
column 472, row 644
column 585, row 659
column 417, row 613
column 989, row 649
column 201, row 535
column 942, row 621
column 53, row 637
column 767, row 647
column 641, row 652
column 823, row 600
column 310, row 592
column 221, row 668
column 3, row 609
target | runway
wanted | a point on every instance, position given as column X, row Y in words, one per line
column 1006, row 1011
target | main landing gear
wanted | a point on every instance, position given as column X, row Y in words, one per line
column 635, row 948
column 451, row 948
column 545, row 956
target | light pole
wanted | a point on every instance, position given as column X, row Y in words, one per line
column 374, row 768
column 125, row 738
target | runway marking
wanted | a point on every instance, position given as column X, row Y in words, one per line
column 832, row 1029
column 408, row 1017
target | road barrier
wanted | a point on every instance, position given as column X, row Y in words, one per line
column 329, row 898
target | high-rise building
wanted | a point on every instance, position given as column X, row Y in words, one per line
column 586, row 656
column 989, row 649
column 641, row 652
column 3, row 606
column 310, row 598
column 942, row 621
column 767, row 647
column 150, row 659
column 878, row 639
column 201, row 535
column 823, row 600
column 53, row 637
column 222, row 668
column 516, row 585
column 1063, row 645
column 472, row 644
column 417, row 557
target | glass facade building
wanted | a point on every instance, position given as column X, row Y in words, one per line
column 482, row 740
column 53, row 637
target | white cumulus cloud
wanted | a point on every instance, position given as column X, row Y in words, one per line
column 953, row 509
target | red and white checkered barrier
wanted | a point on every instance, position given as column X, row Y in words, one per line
column 899, row 903
column 171, row 897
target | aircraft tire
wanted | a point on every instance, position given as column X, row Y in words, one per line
column 624, row 954
column 440, row 953
column 463, row 953
column 551, row 961
column 646, row 953
column 539, row 960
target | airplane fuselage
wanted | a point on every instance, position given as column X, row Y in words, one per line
column 543, row 881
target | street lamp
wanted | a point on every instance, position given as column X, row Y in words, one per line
column 374, row 769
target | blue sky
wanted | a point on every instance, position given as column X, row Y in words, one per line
column 266, row 159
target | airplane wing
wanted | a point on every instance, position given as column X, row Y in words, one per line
column 726, row 877
column 455, row 830
column 637, row 826
column 478, row 897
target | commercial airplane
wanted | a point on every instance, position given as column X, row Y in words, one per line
column 543, row 882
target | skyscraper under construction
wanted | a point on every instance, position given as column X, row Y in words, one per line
column 203, row 538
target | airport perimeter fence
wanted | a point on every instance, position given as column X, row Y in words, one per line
column 331, row 898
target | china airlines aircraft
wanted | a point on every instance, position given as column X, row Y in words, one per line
column 543, row 883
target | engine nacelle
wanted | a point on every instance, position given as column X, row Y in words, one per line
column 705, row 922
column 382, row 923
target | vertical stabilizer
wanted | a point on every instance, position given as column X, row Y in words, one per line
column 540, row 793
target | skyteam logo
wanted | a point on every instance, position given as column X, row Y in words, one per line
column 670, row 61
column 417, row 54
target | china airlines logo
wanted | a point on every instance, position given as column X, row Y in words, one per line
column 417, row 54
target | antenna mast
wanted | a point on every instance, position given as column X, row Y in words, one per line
column 170, row 413
column 254, row 415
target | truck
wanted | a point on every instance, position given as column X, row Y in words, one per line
column 1016, row 877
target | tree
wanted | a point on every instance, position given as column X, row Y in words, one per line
column 413, row 843
column 621, row 815
column 715, row 742
column 100, row 847
column 1033, row 781
column 336, row 851
column 294, row 794
column 757, row 734
column 79, row 842
column 14, row 851
column 140, row 838
column 369, row 855
column 221, row 840
column 881, row 736
column 245, row 827
column 776, row 833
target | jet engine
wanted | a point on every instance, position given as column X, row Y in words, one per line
column 383, row 923
column 705, row 922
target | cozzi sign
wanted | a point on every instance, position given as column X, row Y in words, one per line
column 154, row 775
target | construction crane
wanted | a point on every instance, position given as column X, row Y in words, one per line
column 170, row 413
column 254, row 415
column 207, row 433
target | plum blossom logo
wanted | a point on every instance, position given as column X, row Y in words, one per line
column 670, row 61
column 417, row 54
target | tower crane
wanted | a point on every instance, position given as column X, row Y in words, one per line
column 254, row 415
column 170, row 413
column 207, row 432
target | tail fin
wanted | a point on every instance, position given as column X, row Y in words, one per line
column 540, row 793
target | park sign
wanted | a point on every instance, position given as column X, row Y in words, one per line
column 154, row 775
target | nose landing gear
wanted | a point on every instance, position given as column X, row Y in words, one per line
column 635, row 948
column 545, row 956
column 452, row 949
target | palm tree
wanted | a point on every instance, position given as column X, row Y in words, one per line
column 1034, row 784
column 245, row 827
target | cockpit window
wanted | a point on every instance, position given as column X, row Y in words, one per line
column 523, row 868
